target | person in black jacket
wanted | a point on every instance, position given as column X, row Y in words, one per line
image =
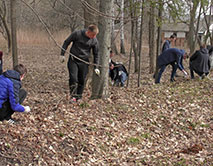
column 200, row 63
column 1, row 62
column 83, row 41
column 167, row 43
column 117, row 72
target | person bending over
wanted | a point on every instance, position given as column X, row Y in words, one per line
column 173, row 57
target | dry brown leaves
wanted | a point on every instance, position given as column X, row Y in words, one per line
column 167, row 124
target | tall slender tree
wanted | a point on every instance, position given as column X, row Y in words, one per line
column 4, row 23
column 152, row 37
column 122, row 46
column 13, row 31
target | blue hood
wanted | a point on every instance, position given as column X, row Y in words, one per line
column 12, row 74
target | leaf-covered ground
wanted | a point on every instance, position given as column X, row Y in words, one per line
column 166, row 124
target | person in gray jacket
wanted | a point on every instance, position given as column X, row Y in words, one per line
column 83, row 42
column 200, row 62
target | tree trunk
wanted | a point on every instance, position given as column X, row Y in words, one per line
column 13, row 32
column 159, row 31
column 132, row 43
column 100, row 84
column 140, row 42
column 191, row 27
column 135, row 46
column 3, row 17
column 113, row 44
column 152, row 40
column 122, row 49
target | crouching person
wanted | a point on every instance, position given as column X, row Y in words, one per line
column 11, row 94
column 200, row 63
column 118, row 74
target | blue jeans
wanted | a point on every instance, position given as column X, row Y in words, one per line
column 162, row 68
column 122, row 77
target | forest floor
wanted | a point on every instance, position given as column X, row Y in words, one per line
column 164, row 124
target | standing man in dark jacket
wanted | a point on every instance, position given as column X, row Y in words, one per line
column 173, row 57
column 11, row 94
column 200, row 63
column 167, row 43
column 1, row 62
column 83, row 41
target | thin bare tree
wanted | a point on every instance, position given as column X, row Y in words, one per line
column 13, row 31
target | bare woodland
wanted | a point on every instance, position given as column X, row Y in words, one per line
column 139, row 124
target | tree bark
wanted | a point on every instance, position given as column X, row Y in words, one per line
column 191, row 26
column 152, row 38
column 100, row 84
column 13, row 32
column 159, row 31
column 122, row 47
column 113, row 44
column 3, row 17
column 140, row 42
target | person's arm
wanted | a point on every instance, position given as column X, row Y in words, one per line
column 14, row 98
column 180, row 64
column 95, row 49
column 67, row 42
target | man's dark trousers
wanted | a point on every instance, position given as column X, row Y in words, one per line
column 6, row 111
column 162, row 68
column 77, row 74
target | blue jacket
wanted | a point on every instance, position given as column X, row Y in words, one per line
column 10, row 85
column 171, row 55
column 166, row 45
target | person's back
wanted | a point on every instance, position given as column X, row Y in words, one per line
column 9, row 82
column 200, row 61
column 170, row 55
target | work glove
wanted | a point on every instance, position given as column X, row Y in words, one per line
column 62, row 59
column 26, row 109
column 97, row 71
column 185, row 73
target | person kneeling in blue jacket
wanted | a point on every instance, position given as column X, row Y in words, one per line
column 173, row 57
column 11, row 94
